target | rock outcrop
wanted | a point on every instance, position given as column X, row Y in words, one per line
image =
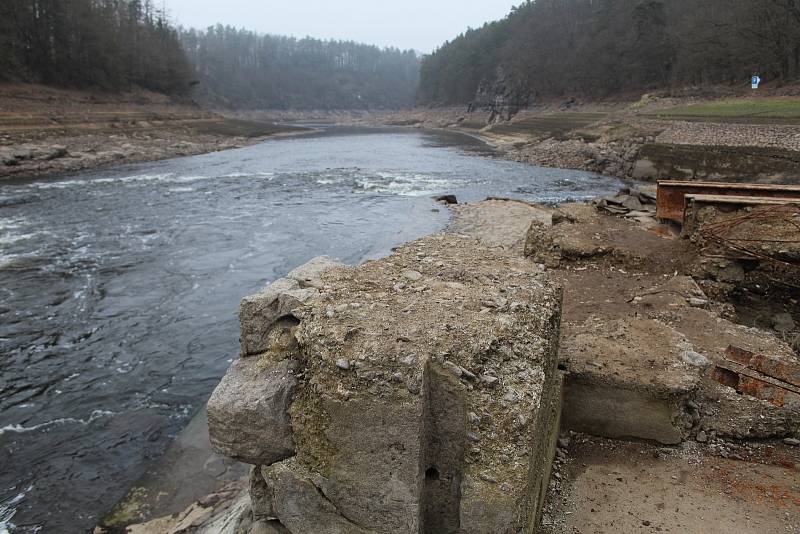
column 500, row 97
column 417, row 393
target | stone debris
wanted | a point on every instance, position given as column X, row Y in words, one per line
column 629, row 202
column 432, row 409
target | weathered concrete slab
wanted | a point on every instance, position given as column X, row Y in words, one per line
column 433, row 384
column 427, row 396
column 648, row 375
column 627, row 379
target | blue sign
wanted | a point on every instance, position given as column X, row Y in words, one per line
column 755, row 81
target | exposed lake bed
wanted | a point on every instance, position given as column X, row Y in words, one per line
column 120, row 287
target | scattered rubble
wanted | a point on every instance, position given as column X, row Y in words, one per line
column 630, row 202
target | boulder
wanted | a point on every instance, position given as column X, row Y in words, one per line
column 429, row 409
column 247, row 413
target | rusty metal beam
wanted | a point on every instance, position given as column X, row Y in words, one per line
column 759, row 376
column 671, row 201
column 772, row 367
column 751, row 386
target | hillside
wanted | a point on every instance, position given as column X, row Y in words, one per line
column 599, row 48
column 241, row 69
column 109, row 45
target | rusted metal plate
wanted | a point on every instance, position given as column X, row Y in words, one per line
column 772, row 367
column 671, row 201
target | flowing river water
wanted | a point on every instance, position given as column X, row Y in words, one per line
column 118, row 288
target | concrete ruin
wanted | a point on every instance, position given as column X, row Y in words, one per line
column 647, row 353
column 418, row 393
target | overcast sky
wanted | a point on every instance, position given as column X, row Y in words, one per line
column 419, row 24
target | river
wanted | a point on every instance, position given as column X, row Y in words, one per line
column 118, row 288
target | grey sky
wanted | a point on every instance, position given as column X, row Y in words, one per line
column 419, row 24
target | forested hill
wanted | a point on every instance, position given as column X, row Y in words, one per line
column 241, row 69
column 604, row 47
column 108, row 44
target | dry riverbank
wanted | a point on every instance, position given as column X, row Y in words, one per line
column 647, row 138
column 46, row 131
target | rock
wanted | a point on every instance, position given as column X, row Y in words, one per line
column 783, row 322
column 695, row 358
column 309, row 274
column 792, row 441
column 453, row 369
column 561, row 217
column 702, row 437
column 490, row 381
column 227, row 521
column 564, row 443
column 260, row 495
column 414, row 276
column 23, row 155
column 56, row 152
column 632, row 203
column 300, row 505
column 248, row 416
column 697, row 302
column 257, row 313
column 343, row 364
column 446, row 199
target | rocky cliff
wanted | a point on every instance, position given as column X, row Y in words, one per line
column 501, row 97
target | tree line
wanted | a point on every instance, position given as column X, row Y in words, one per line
column 237, row 68
column 109, row 44
column 597, row 48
